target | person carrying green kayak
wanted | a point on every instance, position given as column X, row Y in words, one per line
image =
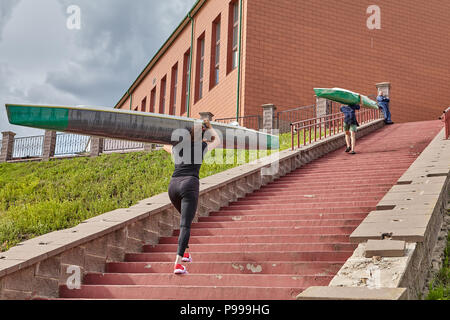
column 350, row 125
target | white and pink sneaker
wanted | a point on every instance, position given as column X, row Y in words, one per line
column 180, row 269
column 187, row 257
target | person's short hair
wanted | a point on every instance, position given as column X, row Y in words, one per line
column 192, row 130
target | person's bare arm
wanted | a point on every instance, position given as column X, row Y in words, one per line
column 215, row 142
column 168, row 148
column 215, row 139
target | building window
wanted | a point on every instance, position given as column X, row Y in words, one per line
column 215, row 54
column 144, row 104
column 153, row 100
column 173, row 95
column 233, row 36
column 185, row 85
column 162, row 96
column 200, row 66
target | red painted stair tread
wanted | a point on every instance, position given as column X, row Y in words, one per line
column 274, row 243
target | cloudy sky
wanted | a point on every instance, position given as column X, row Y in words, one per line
column 42, row 61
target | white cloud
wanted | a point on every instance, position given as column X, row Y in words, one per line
column 43, row 62
column 6, row 9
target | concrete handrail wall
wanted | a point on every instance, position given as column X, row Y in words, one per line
column 409, row 217
column 36, row 268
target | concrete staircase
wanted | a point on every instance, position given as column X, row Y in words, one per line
column 278, row 241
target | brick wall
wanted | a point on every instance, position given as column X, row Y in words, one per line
column 289, row 47
column 293, row 46
column 221, row 99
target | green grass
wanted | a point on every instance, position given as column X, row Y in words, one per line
column 40, row 197
column 439, row 288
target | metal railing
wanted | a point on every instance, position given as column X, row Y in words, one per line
column 286, row 117
column 28, row 147
column 252, row 122
column 446, row 118
column 71, row 144
column 113, row 145
column 325, row 126
column 283, row 119
column 68, row 144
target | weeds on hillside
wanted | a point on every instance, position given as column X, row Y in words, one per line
column 40, row 197
column 439, row 288
column 37, row 198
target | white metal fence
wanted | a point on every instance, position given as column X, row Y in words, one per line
column 112, row 145
column 69, row 145
column 28, row 147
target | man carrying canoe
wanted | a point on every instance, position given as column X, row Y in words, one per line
column 350, row 125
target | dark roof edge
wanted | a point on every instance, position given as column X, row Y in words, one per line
column 197, row 6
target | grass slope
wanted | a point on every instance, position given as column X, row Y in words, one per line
column 439, row 287
column 40, row 197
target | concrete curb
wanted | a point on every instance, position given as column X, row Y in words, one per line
column 412, row 212
column 35, row 268
column 353, row 293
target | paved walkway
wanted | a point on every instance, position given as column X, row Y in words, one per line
column 279, row 240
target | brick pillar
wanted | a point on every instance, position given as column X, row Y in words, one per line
column 96, row 146
column 149, row 147
column 322, row 107
column 206, row 115
column 49, row 145
column 385, row 87
column 269, row 117
column 7, row 146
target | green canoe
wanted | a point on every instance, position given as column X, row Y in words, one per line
column 129, row 125
column 345, row 97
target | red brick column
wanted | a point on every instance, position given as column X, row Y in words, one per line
column 206, row 115
column 269, row 120
column 7, row 146
column 323, row 107
column 49, row 145
column 96, row 146
column 385, row 87
column 149, row 147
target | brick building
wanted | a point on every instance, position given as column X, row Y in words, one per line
column 278, row 51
